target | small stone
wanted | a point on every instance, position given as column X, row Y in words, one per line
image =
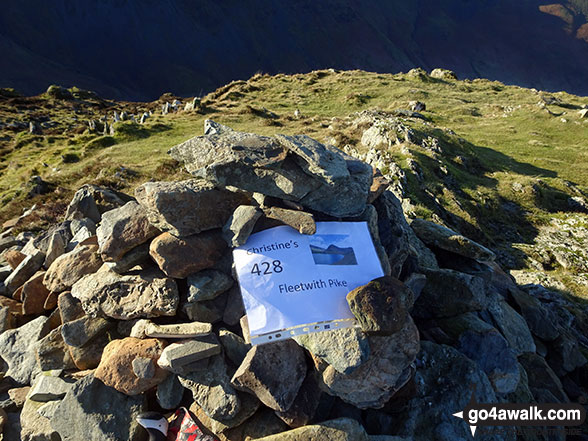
column 68, row 268
column 170, row 392
column 146, row 294
column 209, row 311
column 33, row 425
column 304, row 407
column 48, row 409
column 89, row 355
column 143, row 368
column 177, row 355
column 177, row 330
column 273, row 372
column 18, row 395
column 341, row 429
column 116, row 367
column 207, row 284
column 381, row 306
column 249, row 405
column 80, row 331
column 179, row 258
column 69, row 307
column 56, row 246
column 53, row 353
column 344, row 349
column 245, row 329
column 234, row 309
column 187, row 207
column 85, row 234
column 83, row 205
column 299, row 220
column 24, row 271
column 34, row 294
column 13, row 257
column 235, row 347
column 137, row 256
column 48, row 388
column 122, row 229
column 238, row 228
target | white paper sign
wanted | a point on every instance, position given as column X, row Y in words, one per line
column 295, row 284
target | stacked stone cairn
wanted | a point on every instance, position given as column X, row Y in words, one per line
column 131, row 304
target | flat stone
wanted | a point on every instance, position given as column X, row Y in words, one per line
column 53, row 353
column 24, row 271
column 240, row 225
column 116, row 367
column 212, row 390
column 146, row 328
column 381, row 306
column 34, row 294
column 207, row 284
column 373, row 383
column 439, row 236
column 122, row 229
column 69, row 307
column 249, row 405
column 341, row 429
column 17, row 350
column 181, row 257
column 80, row 331
column 177, row 355
column 273, row 372
column 146, row 294
column 91, row 410
column 344, row 349
column 188, row 207
column 68, row 268
column 235, row 347
column 48, row 388
column 299, row 220
column 448, row 293
column 143, row 368
column 137, row 256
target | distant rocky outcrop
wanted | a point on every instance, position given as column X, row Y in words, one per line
column 131, row 304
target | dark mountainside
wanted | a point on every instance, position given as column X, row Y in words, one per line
column 130, row 49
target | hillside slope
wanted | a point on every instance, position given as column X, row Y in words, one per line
column 138, row 49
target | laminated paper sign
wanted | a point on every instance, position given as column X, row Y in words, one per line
column 296, row 284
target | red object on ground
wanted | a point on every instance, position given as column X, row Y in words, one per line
column 184, row 428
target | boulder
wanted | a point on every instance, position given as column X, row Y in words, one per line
column 146, row 294
column 341, row 429
column 511, row 325
column 53, row 353
column 273, row 372
column 181, row 257
column 56, row 245
column 240, row 225
column 122, row 229
column 544, row 384
column 187, row 207
column 207, row 284
column 91, row 410
column 538, row 318
column 83, row 205
column 34, row 294
column 89, row 355
column 69, row 307
column 68, row 268
column 443, row 74
column 138, row 256
column 116, row 366
column 304, row 407
column 299, row 220
column 24, row 271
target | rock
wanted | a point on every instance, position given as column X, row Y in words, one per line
column 483, row 344
column 565, row 354
column 305, row 405
column 544, row 384
column 51, row 301
column 381, row 306
column 212, row 390
column 177, row 355
column 69, row 307
column 48, row 409
column 7, row 319
column 443, row 74
column 512, row 326
column 209, row 311
column 207, row 285
column 416, row 282
column 13, row 257
column 34, row 294
column 83, row 205
column 240, row 225
column 175, row 330
column 68, row 268
column 116, row 367
column 299, row 220
column 234, row 309
column 537, row 317
column 16, row 348
column 85, row 234
column 48, row 388
column 80, row 331
column 35, row 427
column 343, row 349
column 146, row 294
column 235, row 347
column 90, row 355
column 263, row 423
column 53, row 353
column 18, row 395
column 441, row 237
column 417, row 106
column 143, row 368
column 24, row 271
column 91, row 410
column 187, row 207
column 137, row 256
column 249, row 405
column 448, row 293
column 341, row 429
column 122, row 229
column 56, row 246
column 181, row 257
column 387, row 369
column 170, row 392
column 273, row 372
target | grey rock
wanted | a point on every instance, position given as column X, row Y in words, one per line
column 212, row 390
column 303, row 410
column 343, row 349
column 249, row 405
column 341, row 429
column 538, row 318
column 48, row 388
column 122, row 229
column 388, row 368
column 170, row 392
column 207, row 285
column 53, row 353
column 143, row 368
column 137, row 256
column 17, row 350
column 146, row 294
column 187, row 207
column 416, row 282
column 208, row 311
column 56, row 245
column 234, row 309
column 443, row 74
column 91, row 410
column 80, row 331
column 7, row 242
column 70, row 308
column 213, row 128
column 83, row 205
column 35, row 427
column 448, row 293
column 145, row 328
column 175, row 356
column 273, row 372
column 235, row 347
column 24, row 271
column 240, row 225
column 48, row 409
column 70, row 267
column 511, row 325
column 544, row 384
column 299, row 220
column 439, row 236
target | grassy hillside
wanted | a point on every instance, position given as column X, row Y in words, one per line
column 504, row 165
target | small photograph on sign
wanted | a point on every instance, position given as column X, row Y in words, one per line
column 332, row 249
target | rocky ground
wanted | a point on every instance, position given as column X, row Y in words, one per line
column 130, row 303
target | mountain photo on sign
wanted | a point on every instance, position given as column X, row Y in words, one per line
column 332, row 249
